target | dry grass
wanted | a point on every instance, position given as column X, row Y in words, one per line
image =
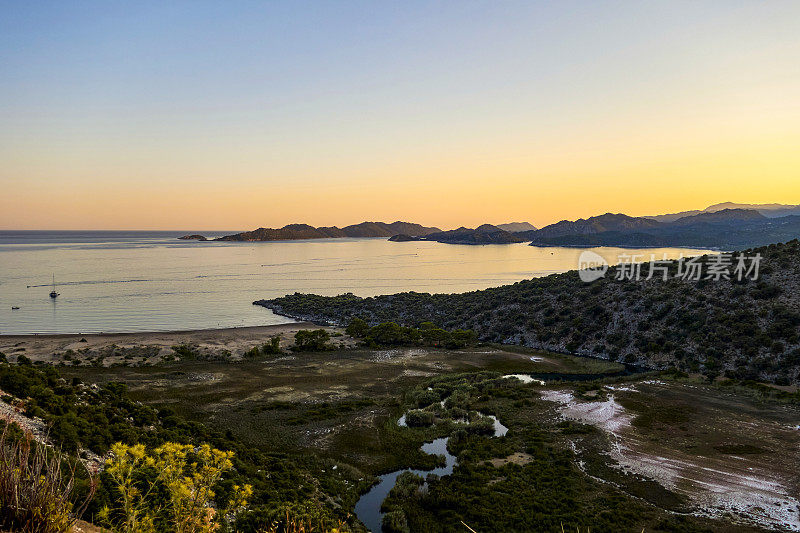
column 295, row 524
column 36, row 487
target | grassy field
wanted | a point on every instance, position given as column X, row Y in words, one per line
column 305, row 400
column 630, row 450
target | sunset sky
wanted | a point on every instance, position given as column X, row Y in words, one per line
column 233, row 115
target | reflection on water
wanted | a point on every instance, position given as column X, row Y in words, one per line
column 143, row 281
column 368, row 507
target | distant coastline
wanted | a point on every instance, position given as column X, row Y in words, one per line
column 717, row 227
column 305, row 231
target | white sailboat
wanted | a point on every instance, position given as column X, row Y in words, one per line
column 53, row 293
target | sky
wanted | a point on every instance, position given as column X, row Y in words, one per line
column 235, row 115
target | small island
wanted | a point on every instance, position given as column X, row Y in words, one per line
column 194, row 237
column 402, row 237
column 293, row 232
column 485, row 234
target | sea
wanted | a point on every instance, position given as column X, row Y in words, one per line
column 129, row 281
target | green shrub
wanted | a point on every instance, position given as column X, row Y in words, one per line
column 357, row 328
column 273, row 347
column 186, row 352
column 252, row 353
column 316, row 340
column 395, row 522
column 419, row 418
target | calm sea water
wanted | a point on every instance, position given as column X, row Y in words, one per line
column 150, row 281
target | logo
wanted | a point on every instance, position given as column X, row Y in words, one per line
column 591, row 266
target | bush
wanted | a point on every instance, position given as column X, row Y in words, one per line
column 482, row 426
column 312, row 340
column 273, row 347
column 357, row 328
column 36, row 487
column 186, row 351
column 173, row 485
column 64, row 430
column 252, row 353
column 393, row 334
column 407, row 485
column 419, row 418
column 424, row 398
column 395, row 522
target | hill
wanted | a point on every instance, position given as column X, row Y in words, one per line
column 724, row 216
column 746, row 330
column 768, row 210
column 304, row 231
column 288, row 232
column 514, row 227
column 485, row 234
column 728, row 230
column 598, row 224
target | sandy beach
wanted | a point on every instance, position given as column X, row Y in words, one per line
column 51, row 348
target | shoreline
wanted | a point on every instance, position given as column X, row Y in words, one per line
column 50, row 348
column 240, row 329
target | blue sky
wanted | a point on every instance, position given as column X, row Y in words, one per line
column 357, row 101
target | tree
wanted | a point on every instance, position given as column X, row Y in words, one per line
column 311, row 340
column 357, row 328
column 389, row 333
column 433, row 336
column 273, row 346
column 462, row 338
column 64, row 431
column 419, row 418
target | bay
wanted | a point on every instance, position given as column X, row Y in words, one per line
column 127, row 281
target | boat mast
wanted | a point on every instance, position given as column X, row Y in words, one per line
column 53, row 293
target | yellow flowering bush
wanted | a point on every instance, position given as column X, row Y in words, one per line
column 187, row 474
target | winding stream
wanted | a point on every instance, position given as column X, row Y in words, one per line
column 368, row 507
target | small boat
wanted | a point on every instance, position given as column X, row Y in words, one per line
column 14, row 307
column 53, row 293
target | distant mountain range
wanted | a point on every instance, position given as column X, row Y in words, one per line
column 725, row 226
column 398, row 231
column 725, row 216
column 304, row 231
column 768, row 210
column 726, row 229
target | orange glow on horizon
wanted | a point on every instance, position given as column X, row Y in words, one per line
column 449, row 115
